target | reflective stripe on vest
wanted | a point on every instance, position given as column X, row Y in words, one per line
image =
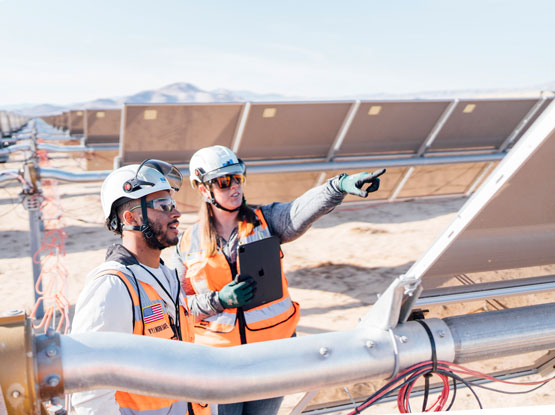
column 271, row 321
column 157, row 324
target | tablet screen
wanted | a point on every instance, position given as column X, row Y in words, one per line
column 262, row 261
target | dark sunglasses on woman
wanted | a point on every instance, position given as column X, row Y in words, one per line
column 225, row 182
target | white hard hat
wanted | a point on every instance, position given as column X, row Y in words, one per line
column 135, row 181
column 211, row 162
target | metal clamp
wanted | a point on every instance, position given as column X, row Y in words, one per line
column 395, row 349
column 49, row 359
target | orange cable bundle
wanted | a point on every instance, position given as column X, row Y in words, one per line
column 51, row 252
column 43, row 156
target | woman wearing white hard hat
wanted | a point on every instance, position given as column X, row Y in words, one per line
column 206, row 256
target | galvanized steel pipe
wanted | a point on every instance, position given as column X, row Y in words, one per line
column 54, row 148
column 503, row 333
column 292, row 166
column 16, row 147
column 259, row 370
column 66, row 176
column 74, row 149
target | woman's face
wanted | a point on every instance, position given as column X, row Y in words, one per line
column 230, row 198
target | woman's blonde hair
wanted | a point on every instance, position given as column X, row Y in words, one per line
column 208, row 229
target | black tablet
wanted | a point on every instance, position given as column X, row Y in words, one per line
column 261, row 260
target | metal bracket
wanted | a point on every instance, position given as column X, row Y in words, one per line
column 31, row 176
column 49, row 359
column 546, row 363
column 394, row 305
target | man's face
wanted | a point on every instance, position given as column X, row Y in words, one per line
column 163, row 224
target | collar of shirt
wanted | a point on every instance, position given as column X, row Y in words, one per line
column 229, row 247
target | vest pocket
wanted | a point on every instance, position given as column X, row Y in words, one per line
column 291, row 316
column 219, row 323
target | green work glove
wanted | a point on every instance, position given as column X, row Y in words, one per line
column 353, row 183
column 238, row 292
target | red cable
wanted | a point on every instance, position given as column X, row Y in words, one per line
column 425, row 367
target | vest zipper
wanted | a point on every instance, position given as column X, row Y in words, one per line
column 242, row 324
column 240, row 314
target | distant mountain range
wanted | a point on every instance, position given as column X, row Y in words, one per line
column 183, row 92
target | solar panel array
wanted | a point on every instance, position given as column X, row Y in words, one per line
column 11, row 122
column 510, row 227
column 280, row 133
column 275, row 134
column 59, row 121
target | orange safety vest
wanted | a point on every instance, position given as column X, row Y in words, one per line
column 275, row 320
column 153, row 320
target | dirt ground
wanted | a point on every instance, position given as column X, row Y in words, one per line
column 335, row 271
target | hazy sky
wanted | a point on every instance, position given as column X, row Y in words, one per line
column 62, row 51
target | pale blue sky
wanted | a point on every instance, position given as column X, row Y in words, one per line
column 63, row 51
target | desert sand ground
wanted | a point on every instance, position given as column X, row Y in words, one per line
column 335, row 270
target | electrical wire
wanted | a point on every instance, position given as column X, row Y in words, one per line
column 405, row 381
column 51, row 283
column 507, row 392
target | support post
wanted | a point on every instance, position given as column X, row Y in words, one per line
column 33, row 206
column 31, row 203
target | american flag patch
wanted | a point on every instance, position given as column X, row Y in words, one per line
column 153, row 313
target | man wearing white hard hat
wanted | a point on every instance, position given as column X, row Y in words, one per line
column 133, row 291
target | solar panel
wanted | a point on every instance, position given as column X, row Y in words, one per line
column 481, row 124
column 102, row 126
column 391, row 127
column 267, row 188
column 440, row 180
column 542, row 104
column 75, row 122
column 291, row 130
column 174, row 132
column 188, row 199
column 63, row 122
column 510, row 221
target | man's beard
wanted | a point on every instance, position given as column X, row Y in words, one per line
column 159, row 236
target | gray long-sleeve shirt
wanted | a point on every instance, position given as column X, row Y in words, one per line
column 288, row 221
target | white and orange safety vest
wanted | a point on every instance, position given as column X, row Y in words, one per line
column 151, row 318
column 275, row 320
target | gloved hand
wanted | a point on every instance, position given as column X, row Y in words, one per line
column 238, row 292
column 353, row 183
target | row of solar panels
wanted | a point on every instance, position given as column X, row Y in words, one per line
column 98, row 126
column 314, row 129
column 11, row 122
column 297, row 132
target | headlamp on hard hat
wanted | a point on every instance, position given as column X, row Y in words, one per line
column 145, row 176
